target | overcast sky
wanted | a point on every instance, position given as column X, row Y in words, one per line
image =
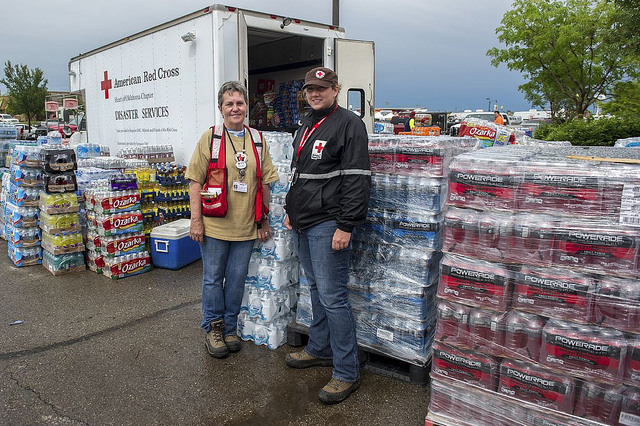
column 429, row 53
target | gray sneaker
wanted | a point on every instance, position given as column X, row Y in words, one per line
column 233, row 342
column 215, row 340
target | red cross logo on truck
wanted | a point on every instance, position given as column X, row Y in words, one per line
column 106, row 85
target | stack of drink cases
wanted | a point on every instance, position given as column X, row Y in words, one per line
column 62, row 240
column 22, row 192
column 539, row 298
column 394, row 271
column 115, row 235
column 272, row 281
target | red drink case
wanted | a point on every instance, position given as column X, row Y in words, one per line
column 632, row 365
column 596, row 249
column 585, row 351
column 469, row 366
column 483, row 188
column 540, row 386
column 451, row 326
column 523, row 335
column 561, row 192
column 554, row 292
column 420, row 159
column 475, row 282
column 460, row 231
column 486, row 331
column 617, row 304
column 599, row 402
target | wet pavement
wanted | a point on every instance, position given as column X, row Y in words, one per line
column 95, row 351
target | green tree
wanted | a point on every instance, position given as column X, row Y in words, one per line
column 629, row 23
column 568, row 50
column 27, row 90
column 626, row 100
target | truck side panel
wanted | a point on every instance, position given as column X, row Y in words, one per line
column 153, row 90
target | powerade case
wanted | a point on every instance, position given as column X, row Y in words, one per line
column 171, row 246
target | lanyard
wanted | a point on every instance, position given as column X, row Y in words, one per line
column 307, row 134
column 231, row 140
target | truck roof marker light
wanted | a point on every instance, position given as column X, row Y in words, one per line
column 273, row 16
column 297, row 21
column 231, row 9
column 206, row 10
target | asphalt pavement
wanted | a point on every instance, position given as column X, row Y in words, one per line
column 96, row 351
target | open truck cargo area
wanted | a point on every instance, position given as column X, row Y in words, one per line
column 159, row 86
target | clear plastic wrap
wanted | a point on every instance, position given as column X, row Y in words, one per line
column 64, row 263
column 468, row 366
column 127, row 265
column 561, row 181
column 415, row 155
column 586, row 351
column 117, row 245
column 554, row 292
column 475, row 282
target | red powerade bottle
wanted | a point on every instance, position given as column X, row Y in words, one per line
column 523, row 335
column 452, row 323
column 533, row 239
column 616, row 304
column 460, row 234
column 486, row 331
column 599, row 402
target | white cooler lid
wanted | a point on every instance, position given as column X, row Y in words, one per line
column 173, row 230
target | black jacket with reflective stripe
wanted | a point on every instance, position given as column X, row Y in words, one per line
column 332, row 177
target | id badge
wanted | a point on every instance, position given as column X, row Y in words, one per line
column 239, row 187
column 293, row 173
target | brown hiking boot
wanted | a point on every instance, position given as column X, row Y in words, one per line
column 215, row 340
column 337, row 391
column 303, row 360
column 233, row 343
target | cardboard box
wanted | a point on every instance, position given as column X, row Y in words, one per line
column 171, row 246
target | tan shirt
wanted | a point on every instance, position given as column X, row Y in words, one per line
column 239, row 223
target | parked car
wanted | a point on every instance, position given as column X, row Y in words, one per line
column 25, row 131
column 65, row 129
column 8, row 118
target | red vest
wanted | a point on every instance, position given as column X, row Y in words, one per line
column 218, row 161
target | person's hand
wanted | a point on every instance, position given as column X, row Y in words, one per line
column 340, row 239
column 265, row 232
column 287, row 224
column 196, row 230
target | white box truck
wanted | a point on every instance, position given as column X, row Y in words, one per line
column 159, row 86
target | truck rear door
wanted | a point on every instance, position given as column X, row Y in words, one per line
column 355, row 68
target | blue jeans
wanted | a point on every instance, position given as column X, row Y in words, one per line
column 224, row 271
column 332, row 334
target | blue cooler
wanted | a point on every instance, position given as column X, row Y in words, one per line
column 171, row 247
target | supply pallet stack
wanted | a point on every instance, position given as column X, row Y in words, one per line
column 539, row 297
column 272, row 281
column 21, row 212
column 396, row 252
column 116, row 241
column 62, row 238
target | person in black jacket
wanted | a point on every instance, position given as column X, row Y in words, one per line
column 329, row 195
